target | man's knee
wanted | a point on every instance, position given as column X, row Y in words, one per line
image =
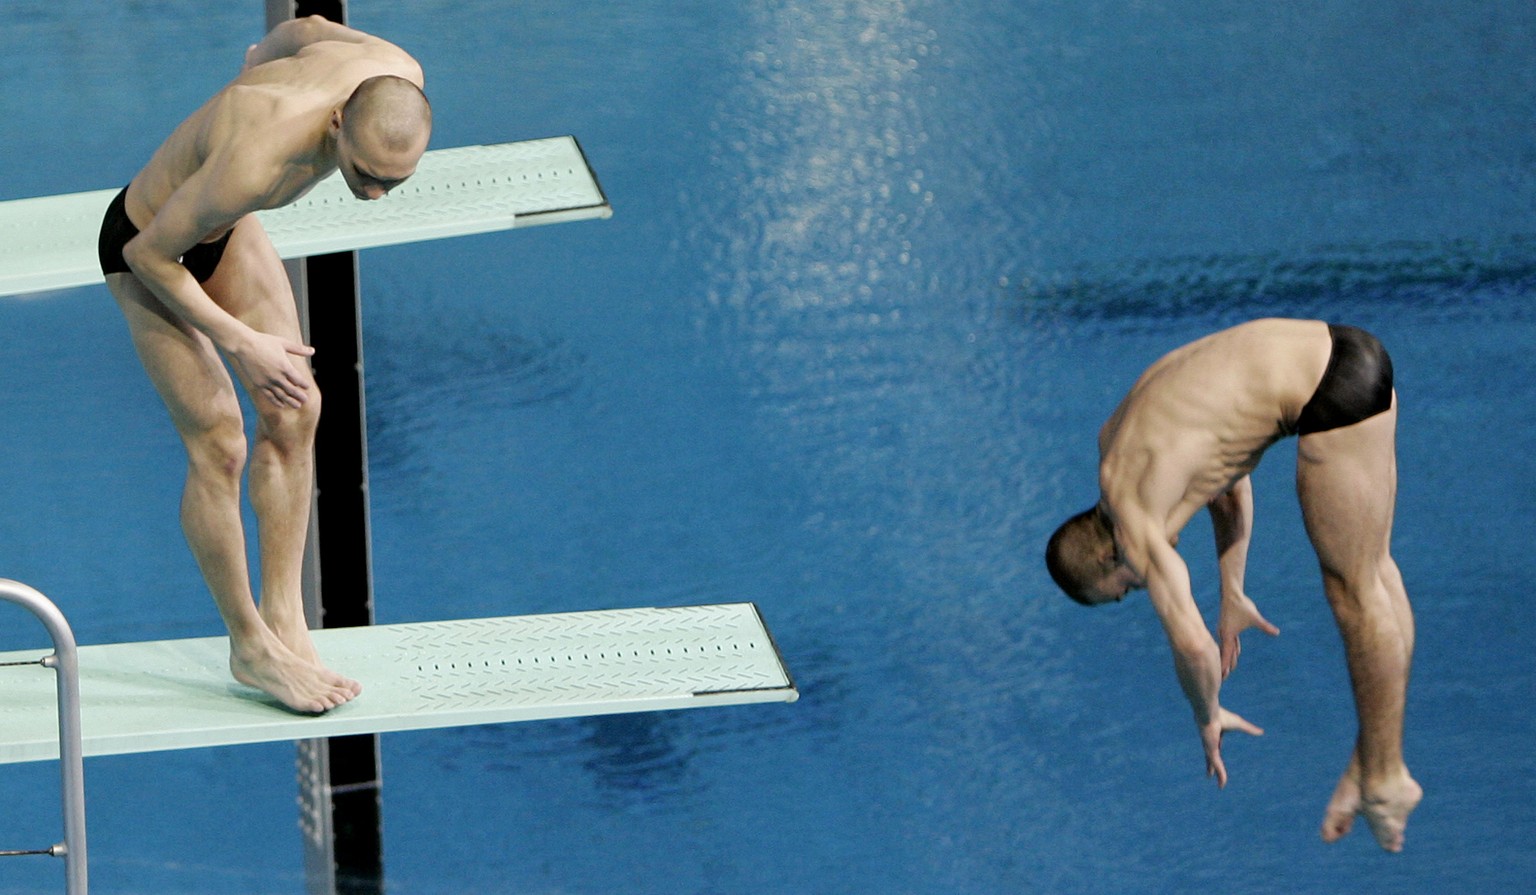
column 218, row 450
column 291, row 428
column 1359, row 593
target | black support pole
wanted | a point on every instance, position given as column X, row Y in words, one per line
column 339, row 778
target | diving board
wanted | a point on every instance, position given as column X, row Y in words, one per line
column 177, row 694
column 49, row 242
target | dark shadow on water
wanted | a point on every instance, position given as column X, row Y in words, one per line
column 417, row 371
column 636, row 754
column 1317, row 283
column 629, row 759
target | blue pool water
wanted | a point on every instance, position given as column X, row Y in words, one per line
column 878, row 271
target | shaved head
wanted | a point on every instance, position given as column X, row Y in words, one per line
column 387, row 112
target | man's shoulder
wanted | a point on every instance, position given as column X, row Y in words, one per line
column 247, row 148
column 248, row 122
column 244, row 102
column 369, row 51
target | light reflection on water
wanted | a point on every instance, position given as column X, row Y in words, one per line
column 837, row 290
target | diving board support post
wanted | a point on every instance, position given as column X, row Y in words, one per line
column 340, row 806
column 66, row 665
column 340, row 813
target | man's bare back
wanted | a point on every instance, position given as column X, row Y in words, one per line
column 1187, row 435
column 200, row 285
column 1200, row 418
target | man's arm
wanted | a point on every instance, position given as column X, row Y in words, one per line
column 294, row 35
column 1232, row 521
column 1195, row 656
column 204, row 204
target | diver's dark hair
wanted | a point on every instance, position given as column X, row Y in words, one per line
column 1074, row 554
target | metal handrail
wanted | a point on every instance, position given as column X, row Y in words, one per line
column 65, row 662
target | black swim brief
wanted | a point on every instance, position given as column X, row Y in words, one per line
column 1356, row 385
column 116, row 229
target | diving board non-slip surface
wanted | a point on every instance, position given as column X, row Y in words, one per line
column 177, row 694
column 50, row 242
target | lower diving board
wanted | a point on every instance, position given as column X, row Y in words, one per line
column 177, row 694
column 49, row 242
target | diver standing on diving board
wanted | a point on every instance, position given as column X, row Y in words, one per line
column 200, row 283
column 1187, row 436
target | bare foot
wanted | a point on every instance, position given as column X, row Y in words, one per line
column 294, row 633
column 1339, row 816
column 1386, row 809
column 299, row 684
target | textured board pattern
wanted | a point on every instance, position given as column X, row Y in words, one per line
column 50, row 242
column 177, row 694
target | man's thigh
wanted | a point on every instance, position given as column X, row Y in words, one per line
column 182, row 363
column 1346, row 480
column 251, row 283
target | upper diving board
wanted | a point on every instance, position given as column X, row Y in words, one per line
column 49, row 242
column 177, row 694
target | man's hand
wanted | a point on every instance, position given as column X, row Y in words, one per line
column 266, row 362
column 1210, row 736
column 1238, row 614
